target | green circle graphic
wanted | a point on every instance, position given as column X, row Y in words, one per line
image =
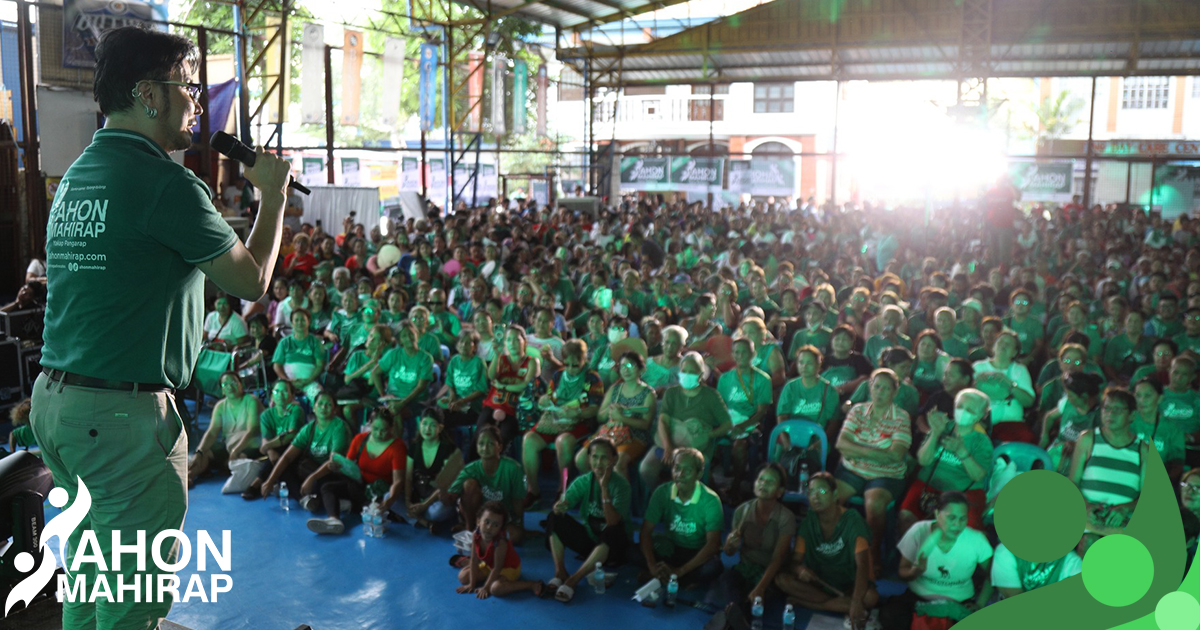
column 1177, row 611
column 1040, row 516
column 1118, row 570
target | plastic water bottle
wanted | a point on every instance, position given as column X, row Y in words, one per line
column 377, row 520
column 789, row 618
column 756, row 614
column 672, row 590
column 598, row 578
column 366, row 521
column 283, row 498
column 804, row 476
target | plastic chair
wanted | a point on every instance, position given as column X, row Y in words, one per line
column 801, row 433
column 1023, row 455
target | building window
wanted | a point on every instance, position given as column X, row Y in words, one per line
column 645, row 90
column 570, row 86
column 1145, row 92
column 651, row 110
column 705, row 89
column 771, row 98
column 698, row 109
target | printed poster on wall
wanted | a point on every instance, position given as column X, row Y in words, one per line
column 85, row 20
column 520, row 94
column 410, row 174
column 350, row 172
column 697, row 174
column 1042, row 181
column 762, row 176
column 428, row 85
column 645, row 173
column 312, row 171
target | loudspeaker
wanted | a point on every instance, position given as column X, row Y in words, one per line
column 12, row 386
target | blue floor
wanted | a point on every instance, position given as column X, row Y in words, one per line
column 284, row 575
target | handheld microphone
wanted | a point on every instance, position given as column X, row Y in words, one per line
column 233, row 149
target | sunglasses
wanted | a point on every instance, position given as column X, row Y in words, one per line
column 1021, row 302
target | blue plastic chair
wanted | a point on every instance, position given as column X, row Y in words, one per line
column 1023, row 455
column 801, row 433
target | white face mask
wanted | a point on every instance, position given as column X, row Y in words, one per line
column 966, row 417
column 689, row 381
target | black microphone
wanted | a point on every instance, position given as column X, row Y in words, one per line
column 233, row 149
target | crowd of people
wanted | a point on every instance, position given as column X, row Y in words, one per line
column 811, row 370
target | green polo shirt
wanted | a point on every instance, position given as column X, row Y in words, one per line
column 321, row 442
column 126, row 231
column 818, row 403
column 687, row 521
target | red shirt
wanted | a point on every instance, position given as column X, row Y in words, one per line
column 488, row 555
column 304, row 264
column 375, row 468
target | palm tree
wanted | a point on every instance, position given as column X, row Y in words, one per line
column 1056, row 117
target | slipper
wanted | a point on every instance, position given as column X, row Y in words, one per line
column 554, row 583
column 551, row 589
column 564, row 594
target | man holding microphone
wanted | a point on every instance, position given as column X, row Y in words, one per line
column 130, row 239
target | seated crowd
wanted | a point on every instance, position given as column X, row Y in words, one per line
column 662, row 364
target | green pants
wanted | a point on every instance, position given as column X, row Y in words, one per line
column 130, row 451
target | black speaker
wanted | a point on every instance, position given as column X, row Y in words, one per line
column 12, row 386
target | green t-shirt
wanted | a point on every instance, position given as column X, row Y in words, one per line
column 272, row 423
column 354, row 363
column 927, row 375
column 878, row 343
column 1126, row 357
column 126, row 231
column 818, row 403
column 1166, row 437
column 446, row 327
column 807, row 336
column 507, row 485
column 1164, row 329
column 955, row 347
column 950, row 474
column 309, row 351
column 466, row 377
column 1095, row 341
column 659, row 377
column 1181, row 409
column 321, row 442
column 584, row 493
column 23, row 436
column 687, row 523
column 1186, row 342
column 833, row 559
column 429, row 343
column 707, row 405
column 1029, row 332
column 743, row 396
column 404, row 371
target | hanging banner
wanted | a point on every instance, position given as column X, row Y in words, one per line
column 541, row 192
column 519, row 94
column 393, row 77
column 350, row 172
column 542, row 81
column 474, row 90
column 428, row 85
column 1044, row 181
column 499, row 68
column 697, row 174
column 352, row 50
column 85, row 20
column 437, row 180
column 312, row 171
column 312, row 74
column 639, row 173
column 274, row 64
column 410, row 174
column 762, row 176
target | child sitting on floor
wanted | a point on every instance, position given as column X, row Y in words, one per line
column 494, row 561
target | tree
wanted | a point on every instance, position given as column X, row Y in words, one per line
column 1056, row 117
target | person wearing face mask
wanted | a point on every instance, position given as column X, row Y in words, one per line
column 618, row 331
column 569, row 410
column 954, row 456
column 234, row 418
column 691, row 415
column 938, row 559
column 379, row 459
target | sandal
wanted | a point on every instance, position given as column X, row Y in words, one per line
column 564, row 594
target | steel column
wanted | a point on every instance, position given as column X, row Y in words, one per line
column 329, row 114
column 1087, row 177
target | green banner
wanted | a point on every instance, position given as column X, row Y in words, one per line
column 520, row 89
column 645, row 173
column 1044, row 181
column 697, row 174
column 763, row 176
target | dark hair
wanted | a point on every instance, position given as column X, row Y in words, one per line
column 894, row 355
column 1121, row 394
column 951, row 497
column 813, row 350
column 127, row 55
column 824, row 477
column 605, row 442
column 1148, row 380
column 492, row 431
column 1163, row 341
column 844, row 329
column 496, row 507
column 964, row 367
column 778, row 469
column 633, row 358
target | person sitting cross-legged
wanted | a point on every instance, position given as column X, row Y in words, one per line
column 603, row 499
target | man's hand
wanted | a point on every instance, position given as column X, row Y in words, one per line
column 269, row 173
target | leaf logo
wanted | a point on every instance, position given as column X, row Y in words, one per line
column 61, row 527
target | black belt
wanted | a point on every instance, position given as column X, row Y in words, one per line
column 68, row 378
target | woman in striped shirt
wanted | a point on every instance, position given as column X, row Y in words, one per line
column 1109, row 464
